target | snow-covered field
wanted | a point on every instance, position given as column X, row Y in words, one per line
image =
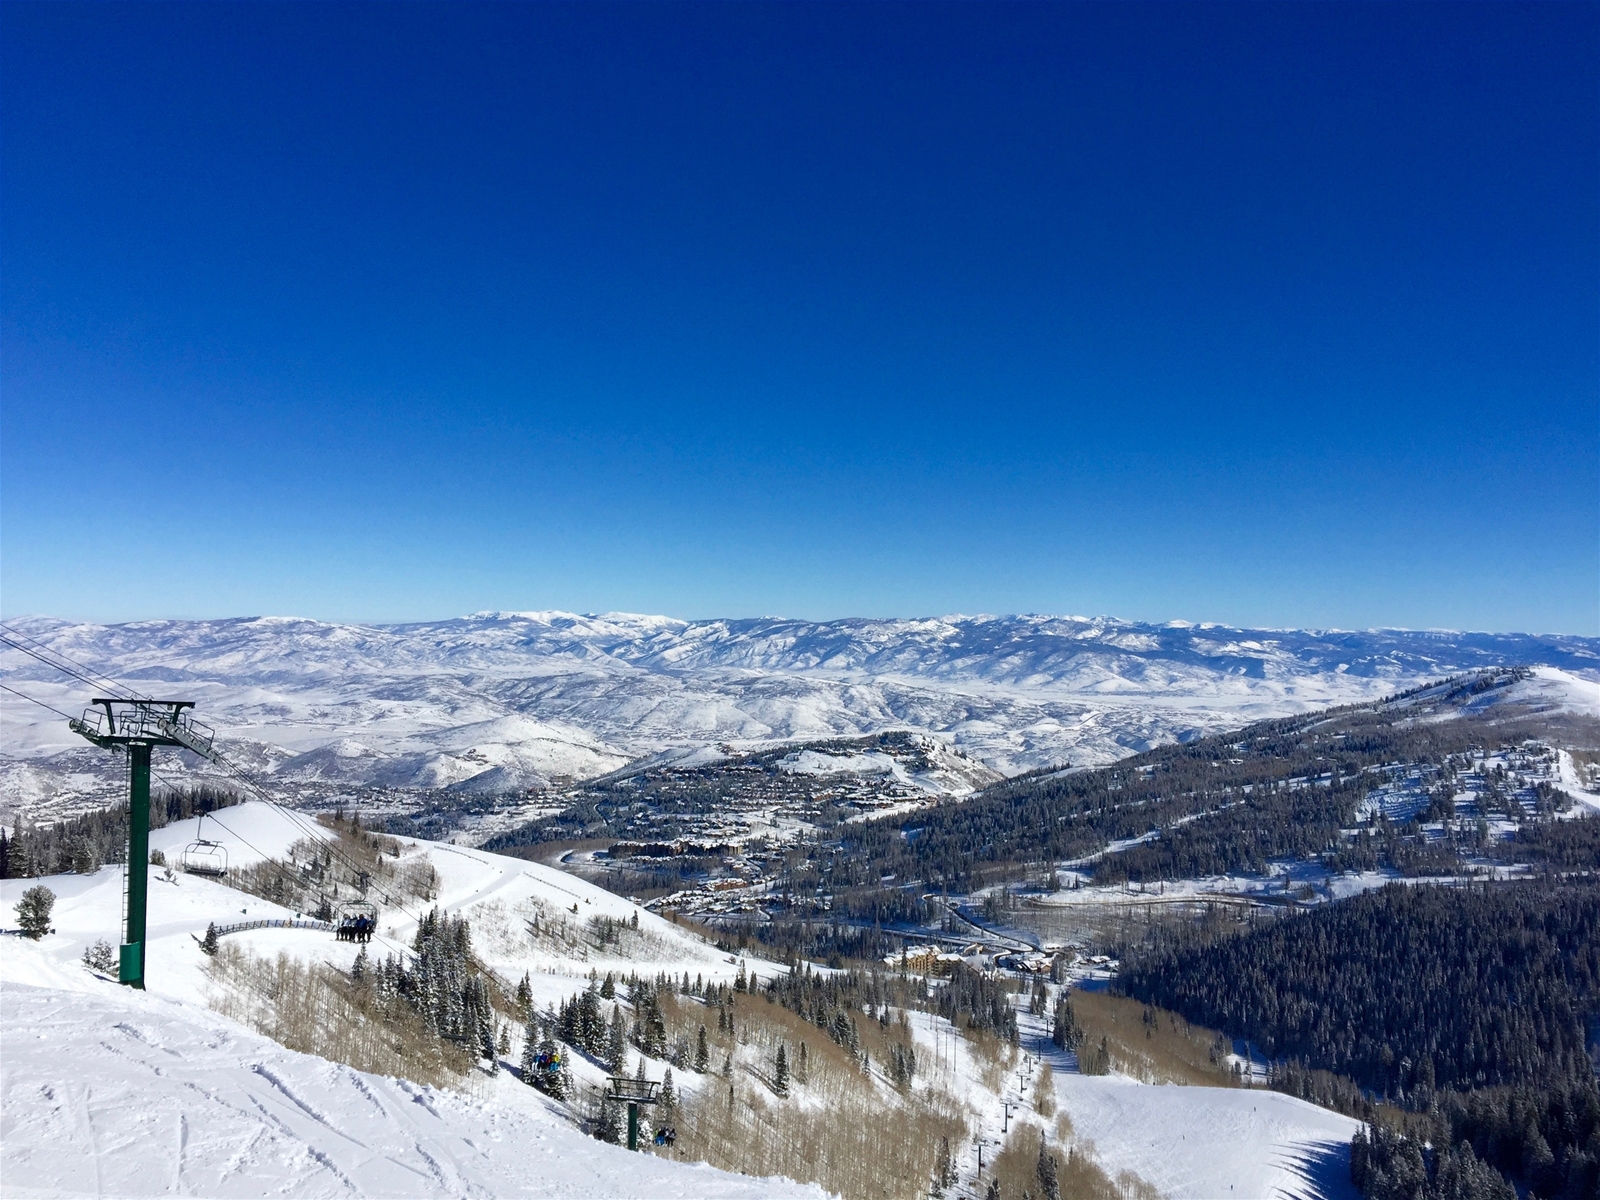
column 108, row 1092
column 499, row 701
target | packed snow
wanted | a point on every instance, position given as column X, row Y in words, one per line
column 1210, row 1142
column 109, row 1092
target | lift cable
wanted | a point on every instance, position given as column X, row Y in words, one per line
column 40, row 703
column 51, row 657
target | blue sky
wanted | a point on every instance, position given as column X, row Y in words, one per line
column 1274, row 315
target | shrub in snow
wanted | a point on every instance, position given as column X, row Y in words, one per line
column 33, row 911
column 101, row 957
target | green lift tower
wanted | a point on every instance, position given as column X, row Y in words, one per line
column 139, row 726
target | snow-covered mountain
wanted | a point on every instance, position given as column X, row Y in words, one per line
column 496, row 701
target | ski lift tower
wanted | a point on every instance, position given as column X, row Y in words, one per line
column 635, row 1092
column 139, row 726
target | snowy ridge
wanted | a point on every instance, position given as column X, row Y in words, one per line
column 501, row 701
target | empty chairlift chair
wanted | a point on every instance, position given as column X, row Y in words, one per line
column 203, row 857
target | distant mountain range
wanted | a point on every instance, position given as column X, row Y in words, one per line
column 498, row 701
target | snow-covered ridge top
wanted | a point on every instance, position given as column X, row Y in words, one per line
column 1029, row 651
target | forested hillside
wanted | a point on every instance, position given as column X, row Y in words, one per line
column 1405, row 988
column 1470, row 1006
column 1288, row 788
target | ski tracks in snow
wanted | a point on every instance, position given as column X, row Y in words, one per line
column 112, row 1093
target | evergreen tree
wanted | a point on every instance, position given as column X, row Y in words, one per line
column 802, row 1068
column 1049, row 1185
column 616, row 1042
column 653, row 1027
column 667, row 1109
column 780, row 1072
column 608, row 989
column 33, row 911
column 702, row 1052
column 358, row 969
column 21, row 860
column 994, row 1190
column 555, row 1081
column 606, row 1126
column 524, row 996
column 208, row 944
column 530, row 1050
column 944, row 1168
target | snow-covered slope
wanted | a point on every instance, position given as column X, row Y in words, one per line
column 497, row 701
column 107, row 1092
column 496, row 893
column 1209, row 1142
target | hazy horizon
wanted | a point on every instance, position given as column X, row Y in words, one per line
column 1169, row 622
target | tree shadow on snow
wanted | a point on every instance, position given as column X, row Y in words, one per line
column 1322, row 1171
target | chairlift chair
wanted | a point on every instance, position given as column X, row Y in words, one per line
column 355, row 918
column 204, row 857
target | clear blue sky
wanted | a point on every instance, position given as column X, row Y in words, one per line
column 1280, row 315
